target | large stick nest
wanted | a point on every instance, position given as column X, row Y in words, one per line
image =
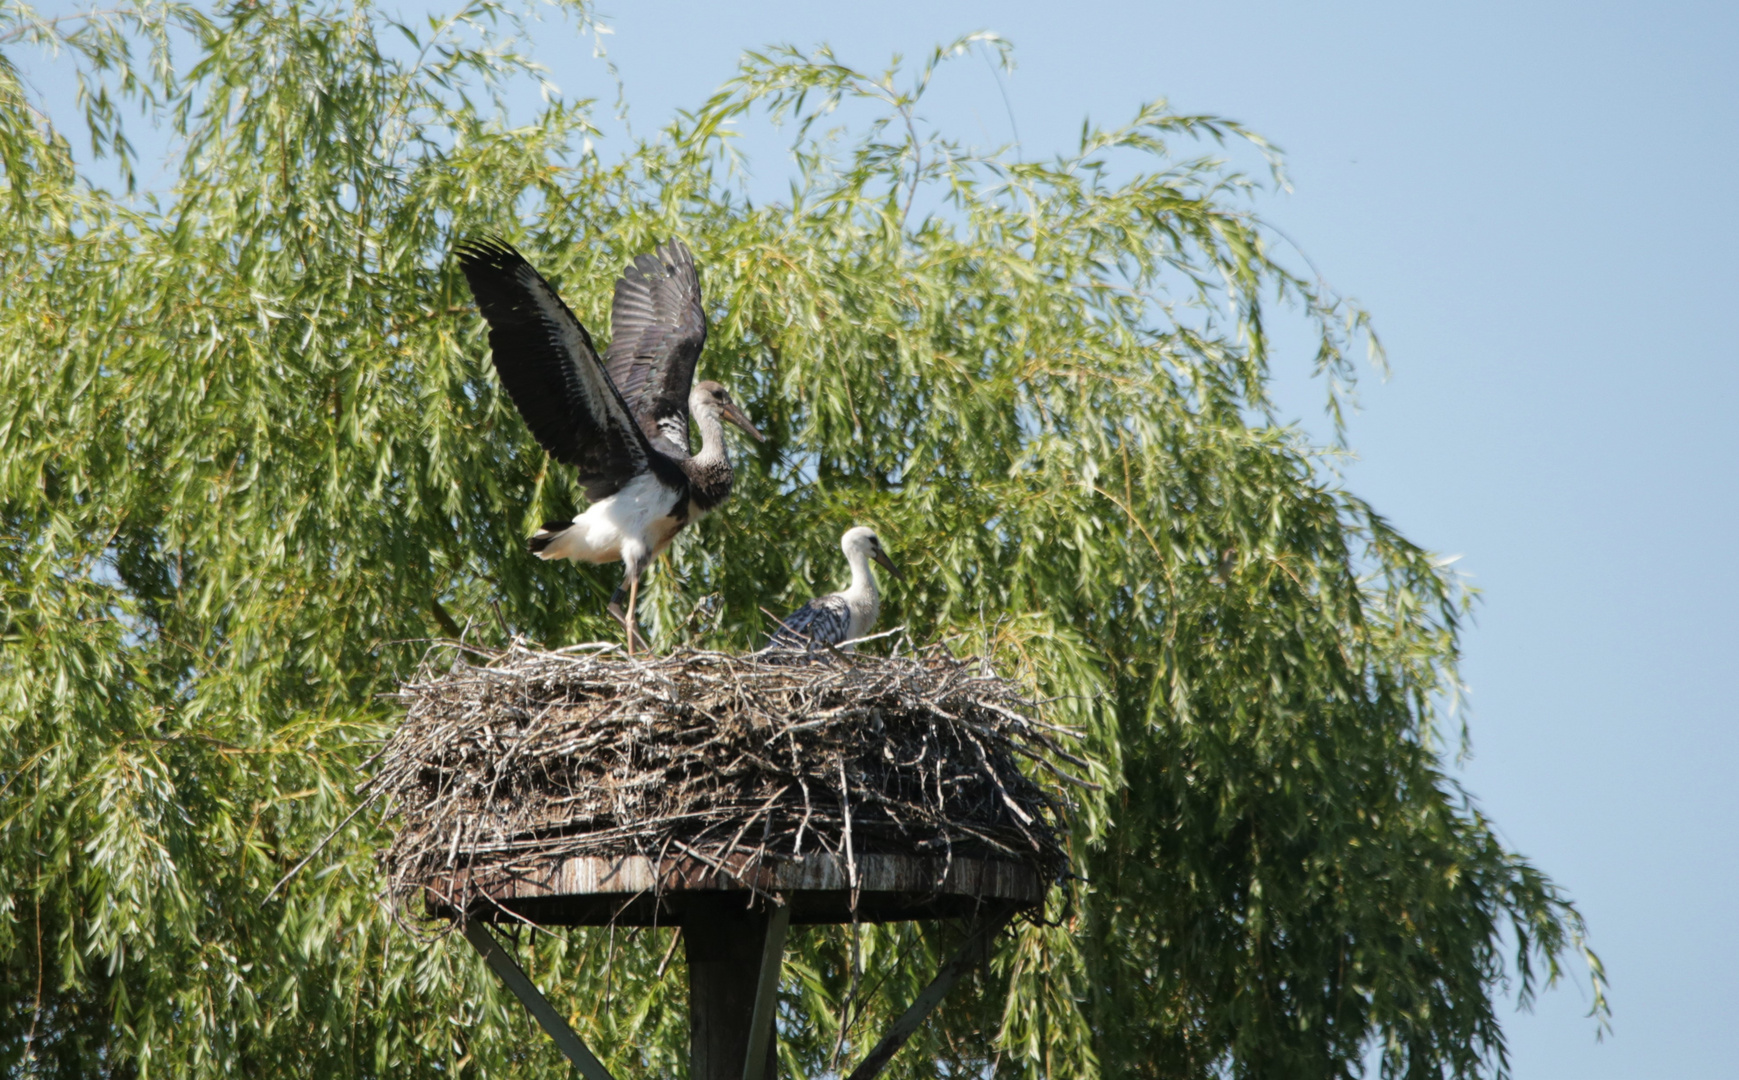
column 503, row 766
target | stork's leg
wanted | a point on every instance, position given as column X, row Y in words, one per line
column 619, row 613
column 633, row 595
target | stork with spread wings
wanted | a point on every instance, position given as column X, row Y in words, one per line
column 624, row 426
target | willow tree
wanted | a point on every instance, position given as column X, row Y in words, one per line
column 252, row 457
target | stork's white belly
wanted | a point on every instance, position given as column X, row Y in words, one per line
column 632, row 525
column 864, row 609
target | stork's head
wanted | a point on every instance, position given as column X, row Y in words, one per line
column 862, row 541
column 709, row 397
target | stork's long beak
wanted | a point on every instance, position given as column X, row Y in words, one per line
column 734, row 413
column 881, row 556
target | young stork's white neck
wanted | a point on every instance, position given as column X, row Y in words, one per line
column 861, row 596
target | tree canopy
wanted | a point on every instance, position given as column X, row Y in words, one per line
column 252, row 457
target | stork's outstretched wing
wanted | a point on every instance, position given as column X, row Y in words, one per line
column 657, row 328
column 551, row 371
column 825, row 620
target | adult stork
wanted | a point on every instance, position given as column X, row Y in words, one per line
column 839, row 619
column 625, row 427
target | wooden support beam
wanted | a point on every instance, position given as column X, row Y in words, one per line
column 535, row 1003
column 767, row 996
column 970, row 956
column 726, row 943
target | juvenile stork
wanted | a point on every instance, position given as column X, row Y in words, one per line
column 625, row 428
column 840, row 618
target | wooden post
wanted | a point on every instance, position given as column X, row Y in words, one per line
column 762, row 1063
column 975, row 952
column 541, row 1010
column 724, row 943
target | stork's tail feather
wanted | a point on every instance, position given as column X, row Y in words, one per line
column 545, row 536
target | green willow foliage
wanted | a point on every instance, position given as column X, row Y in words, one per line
column 252, row 456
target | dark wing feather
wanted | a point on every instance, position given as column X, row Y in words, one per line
column 825, row 620
column 657, row 328
column 551, row 371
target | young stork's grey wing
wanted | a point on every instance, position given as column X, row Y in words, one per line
column 657, row 328
column 551, row 370
column 825, row 620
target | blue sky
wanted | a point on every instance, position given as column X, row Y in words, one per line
column 1536, row 201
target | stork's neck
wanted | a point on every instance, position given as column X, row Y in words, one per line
column 709, row 472
column 860, row 596
column 862, row 584
column 712, row 437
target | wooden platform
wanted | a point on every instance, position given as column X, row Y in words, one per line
column 631, row 891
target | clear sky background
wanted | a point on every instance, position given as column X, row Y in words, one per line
column 1536, row 201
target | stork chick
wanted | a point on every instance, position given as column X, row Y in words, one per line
column 840, row 619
